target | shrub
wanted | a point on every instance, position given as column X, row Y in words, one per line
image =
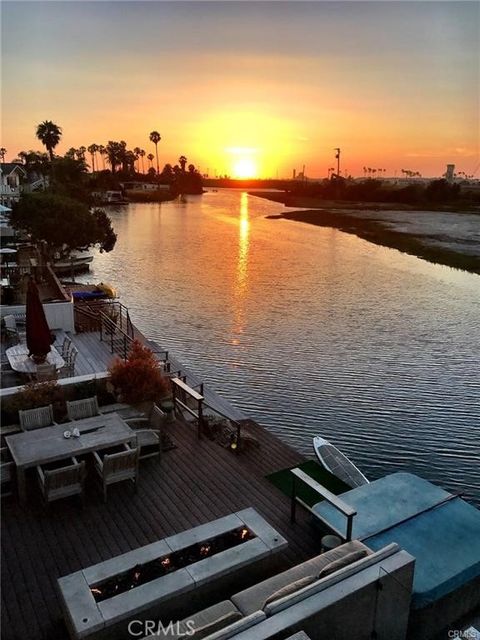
column 138, row 378
column 36, row 394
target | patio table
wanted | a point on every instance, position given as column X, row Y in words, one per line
column 48, row 444
column 20, row 362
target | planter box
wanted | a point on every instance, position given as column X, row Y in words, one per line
column 176, row 594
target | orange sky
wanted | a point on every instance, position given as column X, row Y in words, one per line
column 250, row 87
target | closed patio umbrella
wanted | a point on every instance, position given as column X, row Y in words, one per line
column 39, row 337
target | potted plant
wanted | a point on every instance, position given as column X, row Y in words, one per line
column 138, row 380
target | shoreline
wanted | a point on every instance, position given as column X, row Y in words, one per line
column 376, row 230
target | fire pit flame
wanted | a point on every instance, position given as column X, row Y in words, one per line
column 205, row 549
column 244, row 533
column 165, row 562
column 96, row 592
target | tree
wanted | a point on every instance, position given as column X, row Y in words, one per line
column 150, row 157
column 114, row 151
column 3, row 151
column 92, row 150
column 49, row 135
column 155, row 138
column 63, row 223
column 142, row 155
column 137, row 152
column 103, row 152
column 182, row 162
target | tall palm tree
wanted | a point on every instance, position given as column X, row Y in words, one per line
column 182, row 161
column 137, row 151
column 3, row 151
column 92, row 150
column 103, row 152
column 155, row 138
column 142, row 155
column 49, row 135
column 150, row 158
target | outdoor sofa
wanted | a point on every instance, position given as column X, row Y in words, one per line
column 337, row 589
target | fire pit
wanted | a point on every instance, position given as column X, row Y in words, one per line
column 166, row 578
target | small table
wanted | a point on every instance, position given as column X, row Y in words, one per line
column 20, row 362
column 48, row 444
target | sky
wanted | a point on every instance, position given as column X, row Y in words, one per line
column 250, row 87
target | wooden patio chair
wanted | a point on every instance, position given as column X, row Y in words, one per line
column 7, row 472
column 148, row 430
column 70, row 358
column 62, row 481
column 45, row 372
column 85, row 408
column 36, row 418
column 66, row 346
column 116, row 467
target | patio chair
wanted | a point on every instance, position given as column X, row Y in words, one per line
column 62, row 480
column 70, row 358
column 7, row 472
column 66, row 347
column 117, row 466
column 11, row 327
column 36, row 418
column 80, row 409
column 149, row 440
column 45, row 372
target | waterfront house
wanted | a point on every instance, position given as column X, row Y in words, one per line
column 12, row 175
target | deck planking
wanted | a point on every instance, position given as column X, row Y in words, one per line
column 197, row 482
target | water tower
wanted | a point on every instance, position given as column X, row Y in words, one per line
column 449, row 172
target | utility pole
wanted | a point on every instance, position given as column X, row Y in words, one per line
column 337, row 156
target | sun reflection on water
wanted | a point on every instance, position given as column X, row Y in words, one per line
column 241, row 283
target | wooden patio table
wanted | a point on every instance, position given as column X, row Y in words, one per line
column 19, row 360
column 48, row 444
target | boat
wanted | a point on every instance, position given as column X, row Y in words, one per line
column 337, row 463
column 100, row 291
column 75, row 262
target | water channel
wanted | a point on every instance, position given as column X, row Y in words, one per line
column 311, row 330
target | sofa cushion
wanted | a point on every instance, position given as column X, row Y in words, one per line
column 289, row 588
column 328, row 581
column 203, row 622
column 253, row 598
column 342, row 562
column 215, row 625
column 237, row 627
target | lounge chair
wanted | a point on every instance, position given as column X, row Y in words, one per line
column 36, row 418
column 120, row 465
column 62, row 481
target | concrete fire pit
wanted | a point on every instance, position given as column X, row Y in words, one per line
column 176, row 593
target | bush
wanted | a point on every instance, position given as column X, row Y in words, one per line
column 33, row 395
column 138, row 379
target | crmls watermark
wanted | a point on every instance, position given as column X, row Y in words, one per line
column 141, row 628
column 466, row 634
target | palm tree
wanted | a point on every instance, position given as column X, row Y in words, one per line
column 142, row 155
column 92, row 150
column 137, row 151
column 182, row 161
column 49, row 134
column 155, row 138
column 115, row 152
column 150, row 157
column 103, row 152
column 3, row 151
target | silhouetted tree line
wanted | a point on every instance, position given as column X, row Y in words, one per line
column 436, row 192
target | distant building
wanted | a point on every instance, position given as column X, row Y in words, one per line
column 449, row 174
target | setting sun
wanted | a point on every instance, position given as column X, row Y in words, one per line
column 244, row 168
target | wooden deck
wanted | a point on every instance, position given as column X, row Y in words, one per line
column 193, row 484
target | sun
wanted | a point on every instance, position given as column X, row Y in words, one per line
column 244, row 168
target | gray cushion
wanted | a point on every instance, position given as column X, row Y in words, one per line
column 235, row 628
column 252, row 599
column 289, row 588
column 342, row 562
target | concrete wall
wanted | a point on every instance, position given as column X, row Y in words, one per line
column 59, row 314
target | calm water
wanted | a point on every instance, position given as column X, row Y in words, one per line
column 310, row 330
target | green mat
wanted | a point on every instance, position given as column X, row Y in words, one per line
column 283, row 481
